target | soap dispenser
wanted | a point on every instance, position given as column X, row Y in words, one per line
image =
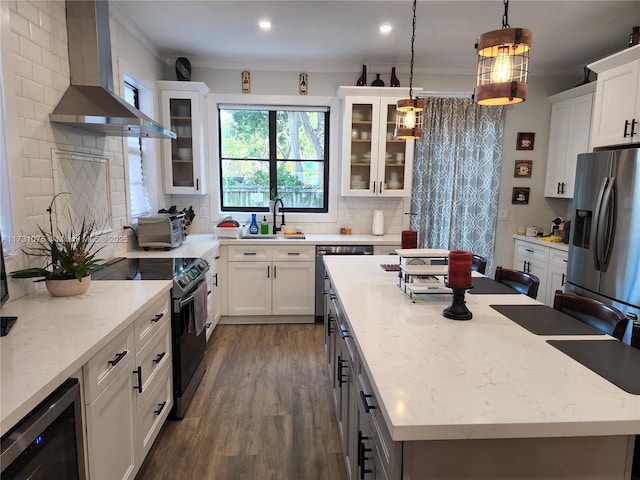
column 264, row 226
column 253, row 228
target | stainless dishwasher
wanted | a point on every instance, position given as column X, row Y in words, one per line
column 321, row 251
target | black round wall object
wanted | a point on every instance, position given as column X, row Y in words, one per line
column 183, row 69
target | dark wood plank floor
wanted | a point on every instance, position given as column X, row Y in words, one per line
column 263, row 411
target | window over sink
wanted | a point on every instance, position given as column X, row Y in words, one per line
column 274, row 151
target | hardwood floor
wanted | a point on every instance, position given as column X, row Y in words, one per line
column 263, row 411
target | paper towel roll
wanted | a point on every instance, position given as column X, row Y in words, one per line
column 378, row 223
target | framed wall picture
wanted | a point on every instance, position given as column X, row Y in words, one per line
column 525, row 140
column 520, row 196
column 523, row 169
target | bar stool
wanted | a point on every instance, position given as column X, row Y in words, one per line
column 525, row 283
column 599, row 315
column 478, row 263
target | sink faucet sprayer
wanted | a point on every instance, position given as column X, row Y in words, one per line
column 276, row 229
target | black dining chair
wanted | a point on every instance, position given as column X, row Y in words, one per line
column 635, row 337
column 599, row 315
column 478, row 263
column 525, row 283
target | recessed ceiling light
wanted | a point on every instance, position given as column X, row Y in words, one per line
column 265, row 24
column 385, row 28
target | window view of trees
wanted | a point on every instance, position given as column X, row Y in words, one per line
column 269, row 153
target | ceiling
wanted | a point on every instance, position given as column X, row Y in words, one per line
column 342, row 35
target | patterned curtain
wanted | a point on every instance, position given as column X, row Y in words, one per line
column 456, row 176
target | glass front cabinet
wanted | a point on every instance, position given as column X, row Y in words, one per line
column 183, row 106
column 374, row 163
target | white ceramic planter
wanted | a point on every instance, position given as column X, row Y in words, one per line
column 67, row 288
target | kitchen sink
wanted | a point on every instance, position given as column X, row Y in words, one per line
column 272, row 237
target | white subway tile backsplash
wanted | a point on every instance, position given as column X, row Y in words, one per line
column 47, row 186
column 30, row 50
column 19, row 24
column 39, row 167
column 31, row 186
column 40, row 37
column 32, row 90
column 57, row 10
column 43, row 76
column 59, row 48
column 42, row 111
column 26, row 108
column 52, row 62
column 29, row 147
column 22, row 67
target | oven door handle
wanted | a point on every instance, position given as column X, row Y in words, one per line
column 182, row 303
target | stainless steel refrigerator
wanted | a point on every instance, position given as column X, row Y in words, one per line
column 604, row 240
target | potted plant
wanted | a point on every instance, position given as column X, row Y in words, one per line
column 69, row 257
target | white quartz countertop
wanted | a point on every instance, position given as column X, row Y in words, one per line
column 55, row 336
column 436, row 378
column 195, row 246
column 321, row 239
column 557, row 245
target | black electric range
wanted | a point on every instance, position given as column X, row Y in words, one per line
column 185, row 272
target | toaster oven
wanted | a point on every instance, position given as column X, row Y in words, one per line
column 165, row 231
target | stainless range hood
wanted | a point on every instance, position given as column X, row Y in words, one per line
column 90, row 104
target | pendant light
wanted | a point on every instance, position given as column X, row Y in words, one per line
column 409, row 111
column 503, row 64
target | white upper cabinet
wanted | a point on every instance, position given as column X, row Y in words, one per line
column 568, row 136
column 183, row 108
column 373, row 162
column 616, row 116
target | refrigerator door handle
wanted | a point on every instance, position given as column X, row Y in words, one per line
column 597, row 230
column 609, row 209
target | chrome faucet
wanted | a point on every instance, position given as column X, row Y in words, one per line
column 276, row 229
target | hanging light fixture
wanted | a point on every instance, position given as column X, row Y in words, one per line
column 503, row 64
column 409, row 111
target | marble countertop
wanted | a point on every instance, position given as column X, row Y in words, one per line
column 55, row 336
column 321, row 239
column 557, row 245
column 436, row 378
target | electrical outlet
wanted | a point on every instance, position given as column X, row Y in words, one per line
column 503, row 214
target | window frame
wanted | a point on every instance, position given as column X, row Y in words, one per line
column 332, row 102
column 272, row 112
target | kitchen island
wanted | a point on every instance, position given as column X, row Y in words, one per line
column 483, row 398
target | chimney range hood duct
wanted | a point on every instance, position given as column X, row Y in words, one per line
column 90, row 104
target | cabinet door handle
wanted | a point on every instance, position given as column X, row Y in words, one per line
column 157, row 318
column 268, row 271
column 160, row 408
column 633, row 127
column 274, row 271
column 207, row 325
column 365, row 402
column 558, row 189
column 197, row 184
column 374, row 186
column 380, row 187
column 524, row 266
column 626, row 126
column 340, row 366
column 344, row 333
column 216, row 257
column 159, row 357
column 138, row 372
column 115, row 361
column 563, row 280
column 215, row 279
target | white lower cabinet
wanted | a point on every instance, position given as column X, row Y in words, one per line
column 547, row 263
column 214, row 297
column 271, row 280
column 128, row 395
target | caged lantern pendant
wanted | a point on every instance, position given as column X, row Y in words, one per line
column 410, row 111
column 503, row 64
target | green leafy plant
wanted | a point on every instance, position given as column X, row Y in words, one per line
column 67, row 255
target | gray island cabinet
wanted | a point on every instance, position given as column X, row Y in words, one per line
column 419, row 396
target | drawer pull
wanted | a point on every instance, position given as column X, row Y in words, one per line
column 528, row 250
column 115, row 361
column 157, row 317
column 216, row 257
column 249, row 254
column 293, row 253
column 365, row 402
column 160, row 408
column 159, row 357
column 138, row 372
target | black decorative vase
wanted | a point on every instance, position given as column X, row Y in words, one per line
column 394, row 80
column 183, row 69
column 377, row 82
column 362, row 80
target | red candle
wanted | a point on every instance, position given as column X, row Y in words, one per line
column 459, row 268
